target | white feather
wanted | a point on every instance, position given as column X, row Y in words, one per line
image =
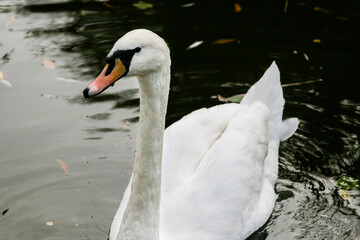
column 218, row 166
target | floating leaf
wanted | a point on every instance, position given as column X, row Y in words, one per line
column 194, row 45
column 50, row 223
column 48, row 63
column 286, row 6
column 188, row 5
column 234, row 99
column 80, row 29
column 346, row 182
column 343, row 18
column 316, row 40
column 318, row 8
column 225, row 40
column 6, row 83
column 4, row 212
column 49, row 95
column 262, row 68
column 306, row 57
column 126, row 125
column 344, row 194
column 143, row 5
column 11, row 20
column 221, row 98
column 3, row 80
column 63, row 166
column 68, row 80
column 108, row 5
column 237, row 7
column 6, row 57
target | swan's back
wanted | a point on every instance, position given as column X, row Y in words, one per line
column 216, row 200
column 220, row 165
column 188, row 140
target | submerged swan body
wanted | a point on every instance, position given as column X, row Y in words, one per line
column 209, row 176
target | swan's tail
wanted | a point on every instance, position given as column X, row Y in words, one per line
column 269, row 91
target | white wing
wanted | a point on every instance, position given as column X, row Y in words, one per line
column 220, row 165
column 216, row 200
column 187, row 141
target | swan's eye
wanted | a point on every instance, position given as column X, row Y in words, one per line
column 124, row 55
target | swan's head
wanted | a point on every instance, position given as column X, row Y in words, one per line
column 138, row 53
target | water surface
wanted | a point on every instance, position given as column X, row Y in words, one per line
column 44, row 117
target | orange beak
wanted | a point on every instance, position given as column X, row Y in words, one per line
column 103, row 81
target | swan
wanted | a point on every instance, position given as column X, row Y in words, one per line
column 209, row 176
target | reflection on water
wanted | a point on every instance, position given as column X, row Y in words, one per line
column 43, row 119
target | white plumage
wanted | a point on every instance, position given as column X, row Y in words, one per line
column 213, row 177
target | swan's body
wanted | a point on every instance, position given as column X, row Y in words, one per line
column 209, row 176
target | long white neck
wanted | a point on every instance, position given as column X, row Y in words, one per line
column 141, row 216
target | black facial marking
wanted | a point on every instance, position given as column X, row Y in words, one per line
column 110, row 67
column 125, row 57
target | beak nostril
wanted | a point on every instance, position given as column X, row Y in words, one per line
column 86, row 92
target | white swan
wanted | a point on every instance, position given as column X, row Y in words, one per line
column 209, row 176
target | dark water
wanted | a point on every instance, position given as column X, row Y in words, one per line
column 43, row 116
